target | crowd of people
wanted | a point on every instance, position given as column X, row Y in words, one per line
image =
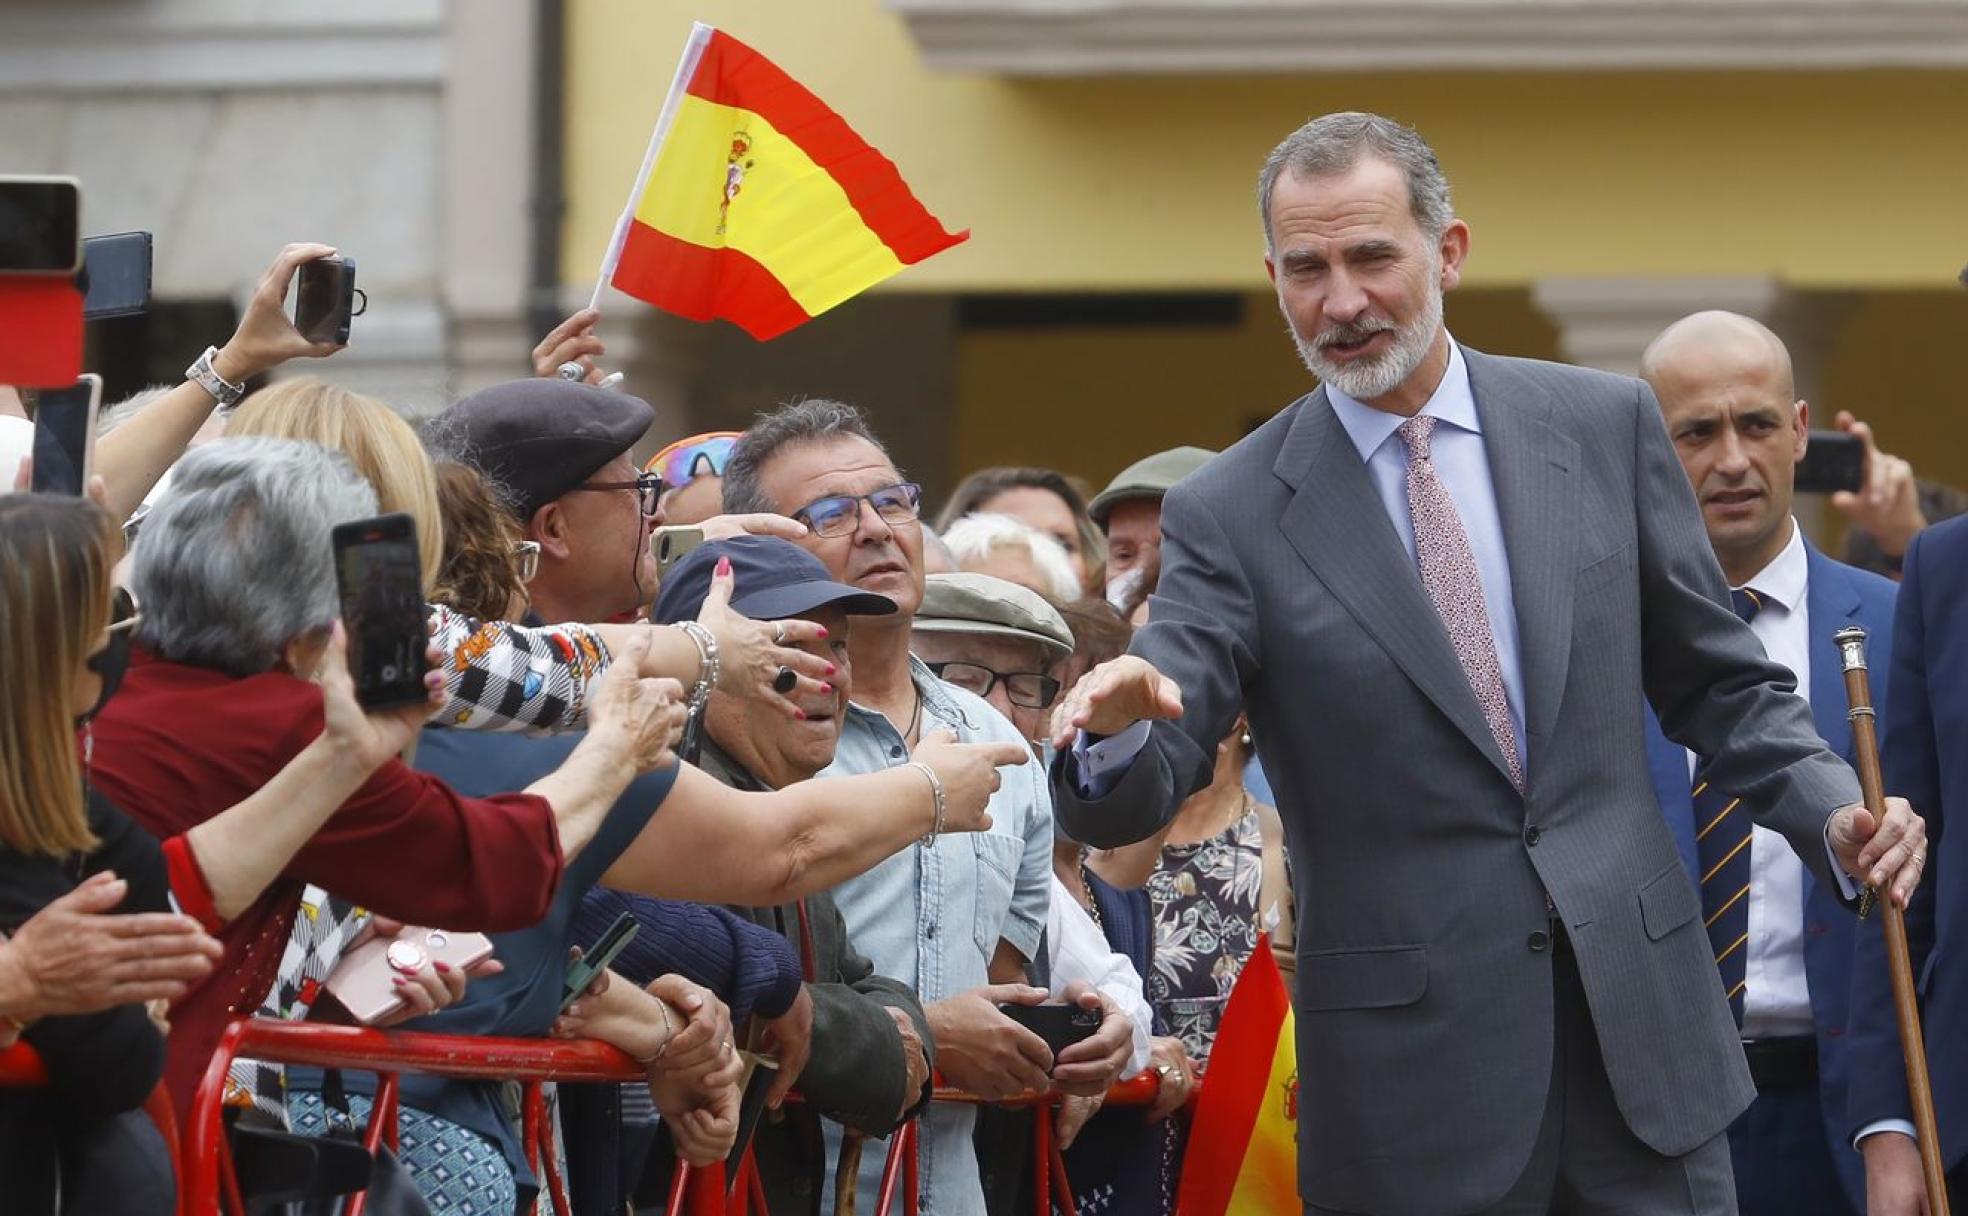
column 870, row 789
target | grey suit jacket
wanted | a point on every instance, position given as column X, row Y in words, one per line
column 1424, row 1003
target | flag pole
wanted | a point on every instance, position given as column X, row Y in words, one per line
column 693, row 53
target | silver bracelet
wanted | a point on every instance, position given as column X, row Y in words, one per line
column 942, row 803
column 708, row 668
column 669, row 1027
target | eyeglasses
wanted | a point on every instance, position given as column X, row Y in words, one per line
column 526, row 555
column 648, row 488
column 692, row 457
column 840, row 515
column 1030, row 689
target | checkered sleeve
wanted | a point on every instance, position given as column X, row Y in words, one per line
column 501, row 676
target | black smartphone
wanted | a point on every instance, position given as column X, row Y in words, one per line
column 115, row 275
column 597, row 958
column 1060, row 1026
column 324, row 299
column 1832, row 461
column 40, row 225
column 65, row 436
column 380, row 575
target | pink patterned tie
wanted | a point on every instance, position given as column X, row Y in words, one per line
column 1448, row 570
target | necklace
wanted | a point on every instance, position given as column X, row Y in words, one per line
column 913, row 735
column 1092, row 903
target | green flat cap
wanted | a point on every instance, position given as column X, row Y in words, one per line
column 1149, row 477
column 978, row 603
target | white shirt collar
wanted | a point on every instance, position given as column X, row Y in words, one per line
column 1782, row 581
column 1452, row 402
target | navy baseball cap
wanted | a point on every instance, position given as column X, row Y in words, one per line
column 772, row 578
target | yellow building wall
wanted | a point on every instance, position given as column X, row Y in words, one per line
column 1824, row 179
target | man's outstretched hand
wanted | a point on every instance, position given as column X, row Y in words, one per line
column 1113, row 697
column 1887, row 856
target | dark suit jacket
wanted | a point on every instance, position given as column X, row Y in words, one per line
column 1425, row 975
column 1836, row 595
column 1926, row 761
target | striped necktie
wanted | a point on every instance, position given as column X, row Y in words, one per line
column 1722, row 837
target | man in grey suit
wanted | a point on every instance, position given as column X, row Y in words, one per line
column 1440, row 583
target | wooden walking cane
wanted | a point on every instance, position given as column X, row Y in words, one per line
column 1865, row 745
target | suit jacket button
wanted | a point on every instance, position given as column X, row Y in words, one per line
column 1539, row 941
column 1532, row 835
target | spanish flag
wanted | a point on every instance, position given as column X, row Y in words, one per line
column 757, row 203
column 1242, row 1158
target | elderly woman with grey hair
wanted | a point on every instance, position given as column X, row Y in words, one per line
column 236, row 581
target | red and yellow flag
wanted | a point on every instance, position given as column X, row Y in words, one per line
column 758, row 204
column 1242, row 1158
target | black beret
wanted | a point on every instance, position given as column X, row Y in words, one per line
column 540, row 438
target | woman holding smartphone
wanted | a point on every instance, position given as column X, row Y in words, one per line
column 62, row 627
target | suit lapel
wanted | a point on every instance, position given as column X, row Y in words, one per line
column 1537, row 498
column 1339, row 527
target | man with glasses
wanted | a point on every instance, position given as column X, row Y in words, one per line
column 957, row 920
column 560, row 453
column 997, row 640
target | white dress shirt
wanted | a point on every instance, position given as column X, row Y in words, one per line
column 1776, row 996
column 1078, row 951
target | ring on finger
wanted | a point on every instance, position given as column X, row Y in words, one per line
column 571, row 370
column 779, row 634
column 783, row 682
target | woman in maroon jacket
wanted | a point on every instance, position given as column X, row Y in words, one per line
column 235, row 572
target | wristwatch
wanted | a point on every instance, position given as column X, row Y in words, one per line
column 202, row 373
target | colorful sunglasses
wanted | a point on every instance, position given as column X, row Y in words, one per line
column 692, row 457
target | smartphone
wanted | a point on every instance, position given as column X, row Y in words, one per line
column 115, row 275
column 65, row 436
column 40, row 225
column 1060, row 1026
column 380, row 575
column 597, row 958
column 1832, row 461
column 324, row 299
column 671, row 542
column 364, row 981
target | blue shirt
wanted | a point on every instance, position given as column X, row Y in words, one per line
column 1464, row 467
column 931, row 915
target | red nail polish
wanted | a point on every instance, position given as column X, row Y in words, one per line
column 799, row 715
column 443, row 968
column 823, row 631
column 828, row 688
column 831, row 669
column 724, row 566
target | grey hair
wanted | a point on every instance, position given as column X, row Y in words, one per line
column 975, row 537
column 811, row 421
column 236, row 561
column 1335, row 143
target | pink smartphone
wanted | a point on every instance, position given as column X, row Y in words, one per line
column 364, row 981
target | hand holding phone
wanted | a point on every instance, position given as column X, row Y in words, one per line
column 365, row 980
column 325, row 300
column 379, row 573
column 1060, row 1026
column 582, row 971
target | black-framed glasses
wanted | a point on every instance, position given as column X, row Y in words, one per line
column 648, row 488
column 840, row 514
column 526, row 556
column 1030, row 689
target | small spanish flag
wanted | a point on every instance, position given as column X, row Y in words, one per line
column 1242, row 1158
column 757, row 203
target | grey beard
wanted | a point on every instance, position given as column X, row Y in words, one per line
column 1366, row 379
